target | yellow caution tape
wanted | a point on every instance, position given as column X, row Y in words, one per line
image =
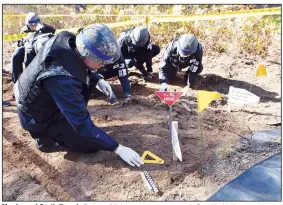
column 14, row 37
column 223, row 15
column 254, row 11
column 72, row 14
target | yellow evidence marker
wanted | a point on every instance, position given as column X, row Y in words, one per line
column 155, row 160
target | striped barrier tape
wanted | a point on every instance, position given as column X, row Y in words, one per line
column 234, row 14
column 14, row 37
column 254, row 11
column 151, row 19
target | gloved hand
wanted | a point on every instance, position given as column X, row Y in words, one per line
column 163, row 87
column 129, row 156
column 104, row 87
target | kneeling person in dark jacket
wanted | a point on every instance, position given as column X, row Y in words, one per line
column 137, row 49
column 21, row 54
column 184, row 52
column 53, row 92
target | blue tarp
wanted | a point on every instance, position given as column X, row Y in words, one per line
column 261, row 182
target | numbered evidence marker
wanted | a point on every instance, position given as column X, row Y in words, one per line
column 175, row 142
column 240, row 96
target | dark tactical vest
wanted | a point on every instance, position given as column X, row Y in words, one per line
column 176, row 60
column 55, row 58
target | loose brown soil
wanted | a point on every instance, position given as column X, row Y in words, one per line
column 142, row 125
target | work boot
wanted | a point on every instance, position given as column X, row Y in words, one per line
column 46, row 145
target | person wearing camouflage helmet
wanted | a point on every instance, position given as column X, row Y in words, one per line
column 34, row 24
column 53, row 91
column 183, row 52
column 22, row 54
column 137, row 49
column 119, row 69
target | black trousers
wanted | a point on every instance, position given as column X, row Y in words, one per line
column 17, row 63
column 190, row 77
column 59, row 131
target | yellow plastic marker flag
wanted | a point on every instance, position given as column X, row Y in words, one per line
column 205, row 97
column 261, row 71
column 156, row 159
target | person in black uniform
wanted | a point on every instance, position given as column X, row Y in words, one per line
column 183, row 52
column 137, row 49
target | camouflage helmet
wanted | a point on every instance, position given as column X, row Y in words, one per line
column 187, row 44
column 139, row 36
column 32, row 18
column 98, row 43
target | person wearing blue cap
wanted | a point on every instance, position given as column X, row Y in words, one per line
column 137, row 49
column 22, row 53
column 183, row 52
column 53, row 91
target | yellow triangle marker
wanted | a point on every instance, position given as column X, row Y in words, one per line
column 261, row 71
column 156, row 159
column 205, row 97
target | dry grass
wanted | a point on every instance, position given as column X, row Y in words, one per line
column 253, row 35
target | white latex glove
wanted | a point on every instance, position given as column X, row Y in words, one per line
column 163, row 87
column 104, row 87
column 129, row 156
